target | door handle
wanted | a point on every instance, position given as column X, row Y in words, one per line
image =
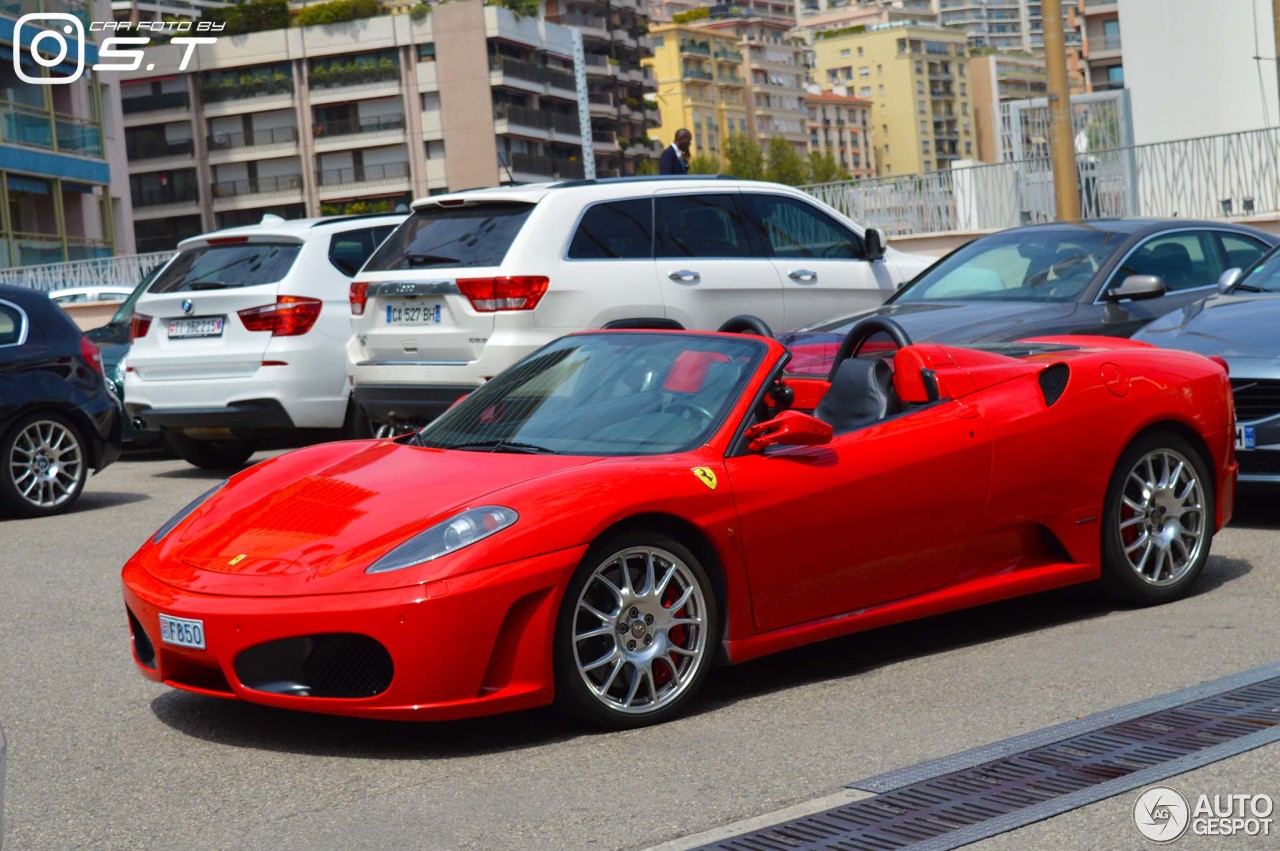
column 802, row 275
column 684, row 276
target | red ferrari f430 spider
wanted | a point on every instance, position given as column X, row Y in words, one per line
column 602, row 521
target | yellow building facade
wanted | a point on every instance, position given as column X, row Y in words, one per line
column 700, row 86
column 916, row 77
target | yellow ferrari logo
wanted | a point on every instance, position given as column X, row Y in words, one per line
column 237, row 560
column 706, row 476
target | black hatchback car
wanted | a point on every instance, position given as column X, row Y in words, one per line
column 58, row 416
column 1106, row 277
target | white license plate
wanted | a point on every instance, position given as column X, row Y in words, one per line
column 413, row 314
column 182, row 632
column 1244, row 437
column 205, row 326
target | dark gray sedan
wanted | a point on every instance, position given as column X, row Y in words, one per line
column 1240, row 324
column 1106, row 277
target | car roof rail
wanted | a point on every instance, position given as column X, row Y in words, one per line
column 640, row 178
column 331, row 220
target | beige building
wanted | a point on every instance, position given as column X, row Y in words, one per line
column 840, row 125
column 995, row 79
column 775, row 66
column 700, row 86
column 821, row 15
column 916, row 78
column 367, row 115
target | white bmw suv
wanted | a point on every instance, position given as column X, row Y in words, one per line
column 241, row 338
column 475, row 280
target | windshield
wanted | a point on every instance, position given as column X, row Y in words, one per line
column 217, row 267
column 124, row 314
column 435, row 237
column 1020, row 265
column 1264, row 277
column 604, row 394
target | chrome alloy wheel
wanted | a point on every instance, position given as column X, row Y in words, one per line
column 1162, row 517
column 46, row 464
column 639, row 630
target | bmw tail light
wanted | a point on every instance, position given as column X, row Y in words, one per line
column 288, row 317
column 517, row 292
column 358, row 297
column 139, row 326
column 92, row 355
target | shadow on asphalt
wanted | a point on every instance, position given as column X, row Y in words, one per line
column 248, row 726
column 190, row 472
column 92, row 500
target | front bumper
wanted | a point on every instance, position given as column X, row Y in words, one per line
column 474, row 644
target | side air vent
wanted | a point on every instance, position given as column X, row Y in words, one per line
column 1053, row 381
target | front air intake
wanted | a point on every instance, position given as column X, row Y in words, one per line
column 326, row 665
column 1053, row 382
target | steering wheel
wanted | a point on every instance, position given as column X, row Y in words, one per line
column 745, row 323
column 861, row 332
column 688, row 405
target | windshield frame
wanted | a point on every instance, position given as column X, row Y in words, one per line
column 1248, row 272
column 761, row 354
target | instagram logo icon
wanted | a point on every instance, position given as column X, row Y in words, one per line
column 54, row 30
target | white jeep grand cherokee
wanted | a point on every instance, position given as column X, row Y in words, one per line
column 241, row 337
column 475, row 280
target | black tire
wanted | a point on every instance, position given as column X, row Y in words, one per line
column 210, row 454
column 1149, row 521
column 650, row 643
column 45, row 465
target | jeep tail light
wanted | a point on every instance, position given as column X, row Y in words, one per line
column 139, row 326
column 288, row 317
column 358, row 297
column 92, row 355
column 517, row 292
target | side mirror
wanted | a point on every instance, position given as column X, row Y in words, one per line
column 875, row 243
column 789, row 428
column 1228, row 278
column 1137, row 287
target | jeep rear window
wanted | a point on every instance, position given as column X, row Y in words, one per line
column 437, row 237
column 217, row 267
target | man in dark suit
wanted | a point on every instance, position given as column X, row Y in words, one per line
column 675, row 159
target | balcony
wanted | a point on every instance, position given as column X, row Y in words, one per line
column 534, row 167
column 1104, row 47
column 278, row 87
column 224, row 142
column 729, row 55
column 167, row 102
column 143, row 151
column 700, row 48
column 695, row 74
column 537, row 77
column 159, row 196
column 369, row 176
column 521, row 121
column 363, row 129
column 257, row 186
column 592, row 26
column 37, row 128
column 325, row 77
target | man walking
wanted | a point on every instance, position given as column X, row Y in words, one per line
column 675, row 159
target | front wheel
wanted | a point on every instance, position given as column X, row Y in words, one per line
column 636, row 632
column 210, row 454
column 1159, row 520
column 45, row 466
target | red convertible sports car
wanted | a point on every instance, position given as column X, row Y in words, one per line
column 601, row 522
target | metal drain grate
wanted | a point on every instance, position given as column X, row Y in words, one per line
column 952, row 808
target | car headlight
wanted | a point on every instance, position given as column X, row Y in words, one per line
column 461, row 530
column 191, row 506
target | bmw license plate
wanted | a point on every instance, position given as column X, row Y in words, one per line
column 413, row 314
column 1244, row 437
column 182, row 632
column 204, row 326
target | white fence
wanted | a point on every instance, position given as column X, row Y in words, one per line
column 117, row 271
column 1208, row 177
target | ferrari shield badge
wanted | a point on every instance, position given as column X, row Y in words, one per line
column 237, row 560
column 706, row 476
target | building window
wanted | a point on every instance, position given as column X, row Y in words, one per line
column 882, row 90
column 968, row 147
column 920, row 107
column 924, row 146
column 864, row 72
column 879, row 69
column 845, row 52
column 928, row 165
column 963, row 91
column 859, row 51
column 1115, row 76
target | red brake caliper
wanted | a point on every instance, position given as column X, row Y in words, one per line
column 676, row 635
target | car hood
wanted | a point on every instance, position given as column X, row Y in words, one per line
column 1233, row 326
column 300, row 523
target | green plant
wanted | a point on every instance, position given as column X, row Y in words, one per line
column 785, row 165
column 337, row 12
column 823, row 168
column 744, row 158
column 691, row 15
column 704, row 164
column 250, row 16
column 647, row 166
column 320, row 76
column 419, row 11
column 519, row 8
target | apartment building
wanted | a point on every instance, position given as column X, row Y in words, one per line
column 1101, row 48
column 1001, row 25
column 776, row 67
column 700, row 86
column 1072, row 36
column 665, row 11
column 59, row 146
column 365, row 116
column 840, row 125
column 822, row 16
column 995, row 79
column 916, row 77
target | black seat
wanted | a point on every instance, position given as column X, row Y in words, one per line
column 861, row 393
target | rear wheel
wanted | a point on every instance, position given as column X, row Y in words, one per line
column 45, row 466
column 210, row 454
column 636, row 632
column 1159, row 520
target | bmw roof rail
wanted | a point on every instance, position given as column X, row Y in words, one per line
column 640, row 178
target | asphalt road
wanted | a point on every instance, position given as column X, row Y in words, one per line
column 100, row 757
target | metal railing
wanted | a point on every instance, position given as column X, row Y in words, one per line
column 40, row 128
column 158, row 195
column 385, row 171
column 531, row 73
column 84, row 273
column 269, row 136
column 323, row 77
column 545, row 166
column 327, row 129
column 155, row 103
column 1207, row 177
column 228, row 89
column 256, row 185
column 159, row 150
